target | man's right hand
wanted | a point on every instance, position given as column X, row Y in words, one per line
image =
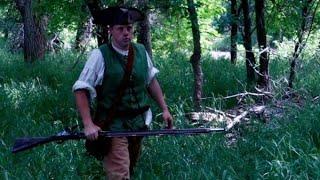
column 92, row 131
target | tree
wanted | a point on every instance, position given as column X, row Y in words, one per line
column 34, row 39
column 195, row 59
column 84, row 30
column 250, row 59
column 144, row 36
column 234, row 31
column 305, row 27
column 263, row 75
column 101, row 31
column 84, row 33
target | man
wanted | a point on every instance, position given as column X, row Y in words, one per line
column 121, row 104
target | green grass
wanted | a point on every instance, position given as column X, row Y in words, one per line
column 36, row 100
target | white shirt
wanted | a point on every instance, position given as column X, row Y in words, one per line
column 93, row 73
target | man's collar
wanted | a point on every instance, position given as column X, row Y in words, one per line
column 120, row 51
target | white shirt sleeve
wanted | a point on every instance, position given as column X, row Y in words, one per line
column 92, row 74
column 152, row 71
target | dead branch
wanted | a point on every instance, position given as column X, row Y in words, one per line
column 262, row 93
column 207, row 116
column 241, row 95
column 219, row 116
column 220, row 112
column 315, row 98
column 257, row 109
column 236, row 120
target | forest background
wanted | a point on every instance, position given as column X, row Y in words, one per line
column 221, row 58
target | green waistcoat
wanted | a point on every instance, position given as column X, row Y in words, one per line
column 135, row 95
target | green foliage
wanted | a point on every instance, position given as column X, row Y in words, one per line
column 172, row 28
column 62, row 13
column 8, row 16
column 283, row 17
column 306, row 69
column 286, row 148
column 221, row 44
column 36, row 100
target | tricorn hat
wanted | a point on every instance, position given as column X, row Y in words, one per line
column 117, row 16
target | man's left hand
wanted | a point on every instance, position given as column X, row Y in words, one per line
column 168, row 119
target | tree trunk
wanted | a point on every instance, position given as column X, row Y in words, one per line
column 101, row 31
column 84, row 34
column 263, row 80
column 299, row 46
column 144, row 36
column 250, row 59
column 195, row 59
column 34, row 39
column 234, row 31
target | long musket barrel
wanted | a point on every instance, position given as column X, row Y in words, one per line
column 25, row 143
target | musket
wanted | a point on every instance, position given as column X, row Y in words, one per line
column 25, row 143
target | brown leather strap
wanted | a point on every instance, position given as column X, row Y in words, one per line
column 122, row 87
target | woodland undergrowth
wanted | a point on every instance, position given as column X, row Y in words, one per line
column 36, row 100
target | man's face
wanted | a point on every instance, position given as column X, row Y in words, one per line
column 122, row 35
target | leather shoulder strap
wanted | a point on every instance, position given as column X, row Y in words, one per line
column 122, row 87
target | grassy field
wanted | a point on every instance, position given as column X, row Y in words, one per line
column 36, row 100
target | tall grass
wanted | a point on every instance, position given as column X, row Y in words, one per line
column 36, row 100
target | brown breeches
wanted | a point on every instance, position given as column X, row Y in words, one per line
column 122, row 157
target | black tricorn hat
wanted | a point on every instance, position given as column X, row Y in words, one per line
column 117, row 16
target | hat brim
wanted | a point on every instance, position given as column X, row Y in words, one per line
column 117, row 16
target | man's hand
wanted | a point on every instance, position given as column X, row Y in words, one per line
column 168, row 119
column 156, row 93
column 92, row 131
